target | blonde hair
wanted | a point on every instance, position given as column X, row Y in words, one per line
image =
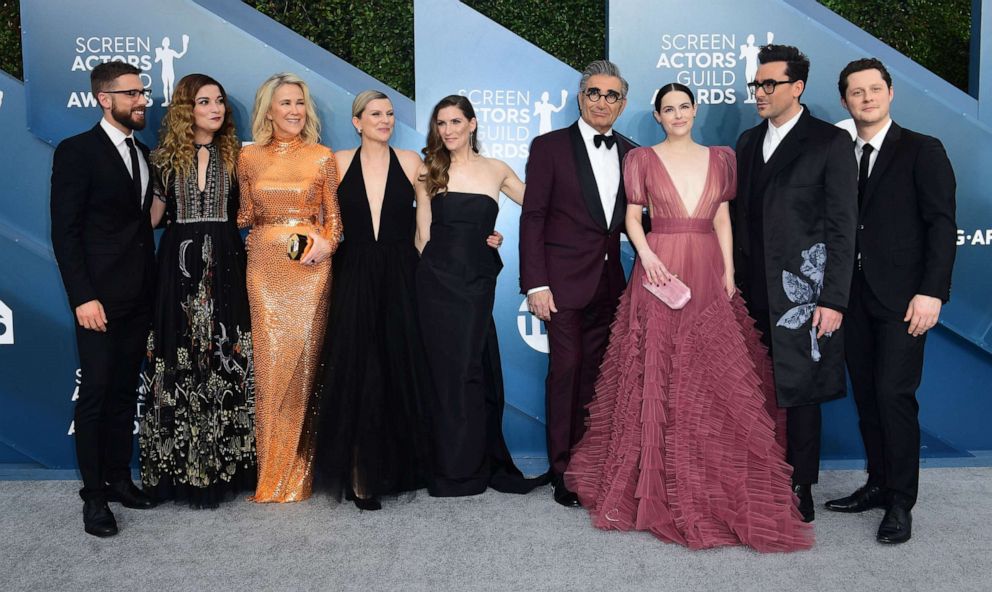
column 363, row 99
column 261, row 127
column 175, row 154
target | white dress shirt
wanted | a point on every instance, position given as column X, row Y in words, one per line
column 606, row 168
column 876, row 144
column 775, row 135
column 118, row 137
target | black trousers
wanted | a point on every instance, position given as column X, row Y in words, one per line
column 802, row 424
column 104, row 416
column 885, row 363
column 577, row 340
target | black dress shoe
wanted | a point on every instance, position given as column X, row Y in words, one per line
column 369, row 504
column 865, row 498
column 805, row 495
column 562, row 494
column 129, row 496
column 98, row 520
column 896, row 526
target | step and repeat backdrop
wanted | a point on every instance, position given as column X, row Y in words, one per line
column 518, row 92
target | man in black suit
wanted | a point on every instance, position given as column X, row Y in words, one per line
column 794, row 250
column 102, row 238
column 905, row 252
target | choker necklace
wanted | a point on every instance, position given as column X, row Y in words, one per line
column 207, row 145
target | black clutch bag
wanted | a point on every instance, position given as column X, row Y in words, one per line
column 298, row 246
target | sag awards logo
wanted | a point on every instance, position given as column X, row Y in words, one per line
column 710, row 64
column 6, row 324
column 509, row 118
column 143, row 389
column 532, row 329
column 979, row 237
column 140, row 52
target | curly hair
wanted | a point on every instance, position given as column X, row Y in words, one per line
column 437, row 159
column 261, row 127
column 175, row 153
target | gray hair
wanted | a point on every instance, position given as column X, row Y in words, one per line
column 605, row 68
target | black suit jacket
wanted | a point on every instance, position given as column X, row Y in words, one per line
column 809, row 194
column 906, row 226
column 101, row 236
column 565, row 238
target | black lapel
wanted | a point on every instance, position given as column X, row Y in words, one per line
column 146, row 199
column 788, row 150
column 587, row 180
column 882, row 162
column 115, row 156
column 624, row 145
column 111, row 152
column 748, row 154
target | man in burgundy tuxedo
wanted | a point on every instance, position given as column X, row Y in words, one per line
column 570, row 268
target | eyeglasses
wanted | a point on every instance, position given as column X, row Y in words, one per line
column 594, row 95
column 768, row 86
column 130, row 93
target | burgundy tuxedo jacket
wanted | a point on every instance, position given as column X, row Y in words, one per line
column 565, row 238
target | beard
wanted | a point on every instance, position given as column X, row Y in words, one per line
column 125, row 117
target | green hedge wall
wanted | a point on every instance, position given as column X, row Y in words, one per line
column 377, row 35
column 10, row 38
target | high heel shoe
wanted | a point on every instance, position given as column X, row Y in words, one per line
column 370, row 504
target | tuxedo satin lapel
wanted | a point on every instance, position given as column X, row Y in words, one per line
column 620, row 210
column 885, row 156
column 110, row 152
column 587, row 179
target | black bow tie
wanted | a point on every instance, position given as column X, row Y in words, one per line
column 599, row 139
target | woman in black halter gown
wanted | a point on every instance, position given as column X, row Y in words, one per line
column 457, row 192
column 373, row 428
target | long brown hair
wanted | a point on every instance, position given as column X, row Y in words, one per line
column 437, row 159
column 175, row 153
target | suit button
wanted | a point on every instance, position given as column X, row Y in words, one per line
column 861, row 226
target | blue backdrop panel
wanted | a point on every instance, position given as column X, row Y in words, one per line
column 713, row 49
column 37, row 343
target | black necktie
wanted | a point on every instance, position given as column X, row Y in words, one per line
column 135, row 170
column 863, row 171
column 599, row 139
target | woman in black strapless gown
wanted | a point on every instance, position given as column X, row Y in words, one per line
column 456, row 286
column 372, row 437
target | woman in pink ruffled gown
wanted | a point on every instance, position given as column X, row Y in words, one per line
column 684, row 439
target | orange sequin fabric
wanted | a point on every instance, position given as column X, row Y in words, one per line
column 286, row 188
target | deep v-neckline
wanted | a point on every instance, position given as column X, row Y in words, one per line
column 365, row 190
column 678, row 194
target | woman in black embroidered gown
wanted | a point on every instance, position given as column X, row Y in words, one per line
column 372, row 436
column 196, row 437
column 457, row 193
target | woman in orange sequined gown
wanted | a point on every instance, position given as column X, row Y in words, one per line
column 288, row 186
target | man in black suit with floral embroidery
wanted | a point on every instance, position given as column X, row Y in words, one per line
column 794, row 220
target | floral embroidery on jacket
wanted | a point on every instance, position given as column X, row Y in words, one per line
column 805, row 294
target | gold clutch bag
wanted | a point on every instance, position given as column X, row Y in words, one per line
column 298, row 246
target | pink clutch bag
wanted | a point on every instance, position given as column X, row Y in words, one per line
column 675, row 294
